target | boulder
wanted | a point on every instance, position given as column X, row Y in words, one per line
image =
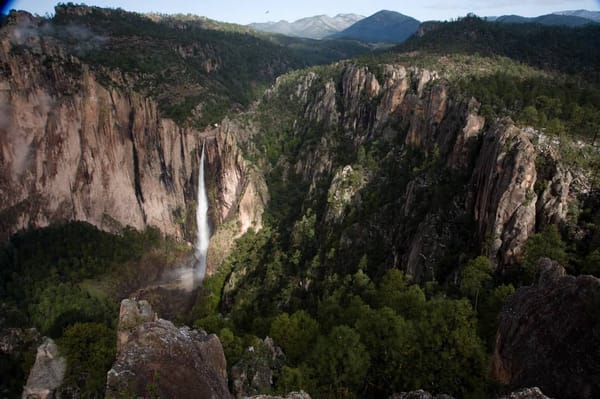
column 47, row 373
column 156, row 358
column 549, row 335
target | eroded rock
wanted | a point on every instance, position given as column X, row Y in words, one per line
column 549, row 335
column 157, row 358
column 47, row 373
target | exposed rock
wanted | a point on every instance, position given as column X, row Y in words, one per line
column 549, row 335
column 254, row 372
column 503, row 184
column 131, row 315
column 552, row 204
column 345, row 185
column 291, row 395
column 47, row 373
column 526, row 393
column 160, row 359
column 75, row 148
column 420, row 394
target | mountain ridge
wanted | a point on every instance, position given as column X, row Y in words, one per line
column 315, row 27
column 382, row 27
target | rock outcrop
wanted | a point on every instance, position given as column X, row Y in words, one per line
column 549, row 335
column 47, row 373
column 419, row 394
column 254, row 372
column 75, row 147
column 158, row 359
column 526, row 393
column 505, row 200
column 291, row 395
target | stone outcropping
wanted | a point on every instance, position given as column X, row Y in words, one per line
column 505, row 200
column 73, row 147
column 158, row 359
column 549, row 335
column 254, row 372
column 526, row 393
column 291, row 395
column 47, row 373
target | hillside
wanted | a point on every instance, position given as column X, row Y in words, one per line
column 317, row 27
column 197, row 69
column 381, row 27
column 569, row 50
column 549, row 20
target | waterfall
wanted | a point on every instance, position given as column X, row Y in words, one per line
column 203, row 230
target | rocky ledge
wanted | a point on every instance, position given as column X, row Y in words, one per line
column 157, row 359
column 549, row 335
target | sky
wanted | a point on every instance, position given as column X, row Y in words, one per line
column 247, row 11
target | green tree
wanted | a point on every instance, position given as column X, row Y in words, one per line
column 448, row 354
column 388, row 338
column 340, row 362
column 396, row 292
column 90, row 350
column 547, row 243
column 476, row 274
column 591, row 264
column 295, row 334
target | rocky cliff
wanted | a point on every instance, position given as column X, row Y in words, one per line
column 75, row 148
column 158, row 359
column 549, row 335
column 403, row 133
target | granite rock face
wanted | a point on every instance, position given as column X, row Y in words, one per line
column 47, row 373
column 75, row 147
column 254, row 372
column 549, row 335
column 156, row 358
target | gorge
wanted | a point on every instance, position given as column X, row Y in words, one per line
column 362, row 228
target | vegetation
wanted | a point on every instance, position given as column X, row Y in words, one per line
column 569, row 50
column 45, row 277
column 197, row 69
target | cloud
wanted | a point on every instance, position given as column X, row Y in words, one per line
column 79, row 39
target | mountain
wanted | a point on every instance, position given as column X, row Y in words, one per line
column 591, row 15
column 381, row 27
column 317, row 27
column 554, row 19
column 566, row 49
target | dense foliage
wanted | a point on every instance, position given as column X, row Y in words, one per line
column 198, row 70
column 570, row 50
column 42, row 283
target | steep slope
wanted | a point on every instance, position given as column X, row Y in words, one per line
column 76, row 146
column 381, row 27
column 317, row 27
column 196, row 69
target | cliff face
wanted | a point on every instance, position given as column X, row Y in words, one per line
column 549, row 335
column 477, row 180
column 73, row 148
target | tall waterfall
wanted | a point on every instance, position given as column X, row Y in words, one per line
column 203, row 232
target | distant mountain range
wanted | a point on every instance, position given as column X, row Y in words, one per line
column 561, row 18
column 393, row 27
column 317, row 27
column 381, row 27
